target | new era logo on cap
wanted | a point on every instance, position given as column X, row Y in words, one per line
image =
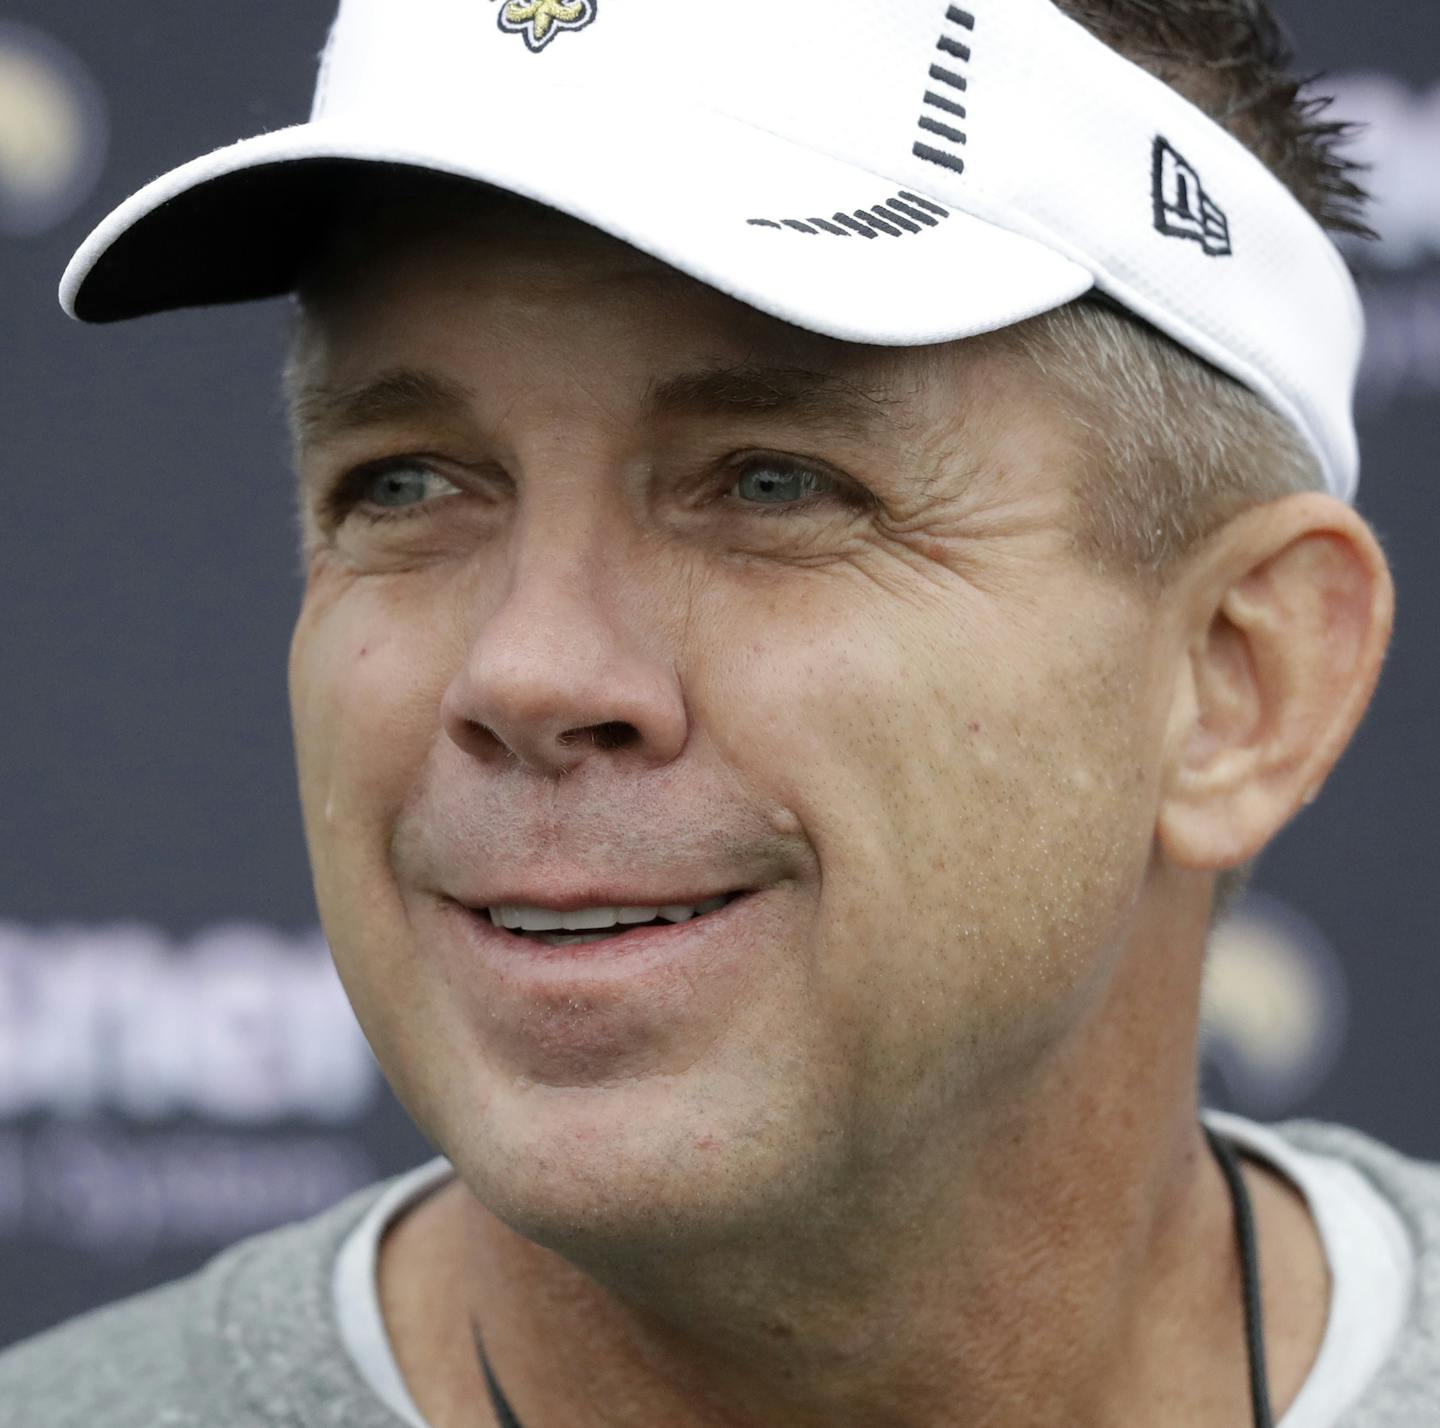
column 1182, row 207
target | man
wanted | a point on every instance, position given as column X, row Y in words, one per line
column 828, row 551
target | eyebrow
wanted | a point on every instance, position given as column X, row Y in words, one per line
column 321, row 414
column 750, row 389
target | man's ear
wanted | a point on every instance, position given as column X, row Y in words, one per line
column 1288, row 610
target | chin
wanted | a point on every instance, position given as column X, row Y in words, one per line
column 598, row 1171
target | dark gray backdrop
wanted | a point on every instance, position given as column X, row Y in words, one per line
column 177, row 1067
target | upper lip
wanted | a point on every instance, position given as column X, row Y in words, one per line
column 575, row 900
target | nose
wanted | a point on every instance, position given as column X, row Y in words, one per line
column 562, row 672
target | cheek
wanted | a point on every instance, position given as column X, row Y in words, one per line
column 365, row 703
column 976, row 792
column 874, row 723
column 365, row 700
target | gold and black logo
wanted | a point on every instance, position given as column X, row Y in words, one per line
column 541, row 20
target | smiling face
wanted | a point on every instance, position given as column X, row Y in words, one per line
column 623, row 594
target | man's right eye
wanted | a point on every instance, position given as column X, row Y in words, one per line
column 381, row 491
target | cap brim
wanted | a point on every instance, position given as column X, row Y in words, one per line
column 725, row 203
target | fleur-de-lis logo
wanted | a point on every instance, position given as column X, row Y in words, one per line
column 541, row 20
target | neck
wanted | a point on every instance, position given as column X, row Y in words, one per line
column 1044, row 1311
column 1074, row 1263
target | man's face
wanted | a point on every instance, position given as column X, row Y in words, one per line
column 673, row 601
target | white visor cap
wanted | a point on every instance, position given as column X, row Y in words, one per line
column 896, row 172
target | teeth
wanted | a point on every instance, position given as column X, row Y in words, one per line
column 678, row 913
column 531, row 919
column 589, row 919
column 594, row 919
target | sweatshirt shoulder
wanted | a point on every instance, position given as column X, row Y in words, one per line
column 219, row 1348
column 1407, row 1389
column 123, row 1365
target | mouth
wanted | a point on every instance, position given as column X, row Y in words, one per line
column 551, row 927
column 568, row 1003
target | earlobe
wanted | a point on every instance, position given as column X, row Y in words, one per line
column 1293, row 605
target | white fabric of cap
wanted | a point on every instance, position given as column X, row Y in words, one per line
column 896, row 172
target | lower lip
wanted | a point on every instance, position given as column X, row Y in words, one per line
column 625, row 954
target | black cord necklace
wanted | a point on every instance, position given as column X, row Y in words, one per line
column 1250, row 1268
column 504, row 1414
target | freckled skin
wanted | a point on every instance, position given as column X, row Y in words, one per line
column 931, row 732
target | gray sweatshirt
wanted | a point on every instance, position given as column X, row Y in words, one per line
column 251, row 1339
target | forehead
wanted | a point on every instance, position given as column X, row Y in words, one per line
column 435, row 258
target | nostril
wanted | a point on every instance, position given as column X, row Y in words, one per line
column 612, row 735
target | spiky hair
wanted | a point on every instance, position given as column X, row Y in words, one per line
column 1233, row 60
